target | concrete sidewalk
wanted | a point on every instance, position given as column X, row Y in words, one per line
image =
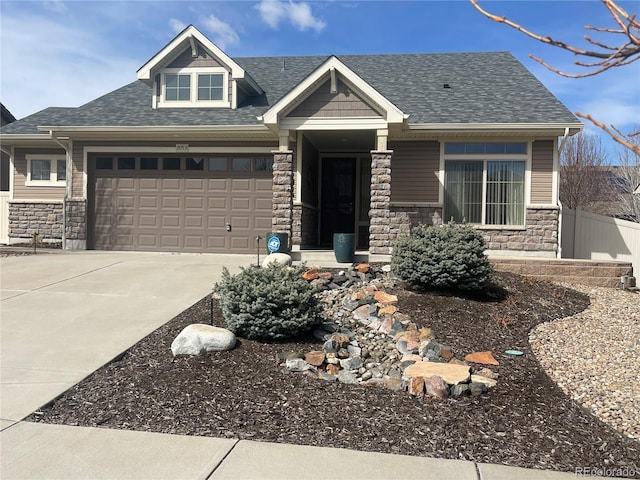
column 64, row 316
column 34, row 451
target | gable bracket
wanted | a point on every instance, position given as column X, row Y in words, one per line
column 334, row 83
column 194, row 47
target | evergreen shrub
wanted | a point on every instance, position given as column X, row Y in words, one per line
column 442, row 257
column 272, row 303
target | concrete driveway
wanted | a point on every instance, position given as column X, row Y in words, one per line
column 64, row 315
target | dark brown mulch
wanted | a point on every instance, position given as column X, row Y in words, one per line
column 524, row 421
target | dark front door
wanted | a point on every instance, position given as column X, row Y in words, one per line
column 338, row 195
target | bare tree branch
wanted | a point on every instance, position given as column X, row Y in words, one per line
column 628, row 176
column 616, row 134
column 617, row 56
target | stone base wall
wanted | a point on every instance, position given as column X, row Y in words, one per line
column 28, row 218
column 75, row 231
column 305, row 226
column 379, row 212
column 403, row 219
column 282, row 217
column 600, row 273
column 540, row 234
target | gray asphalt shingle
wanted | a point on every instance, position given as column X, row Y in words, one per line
column 488, row 87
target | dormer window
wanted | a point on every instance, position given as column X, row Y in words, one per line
column 194, row 87
column 210, row 86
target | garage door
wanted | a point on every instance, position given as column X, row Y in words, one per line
column 204, row 204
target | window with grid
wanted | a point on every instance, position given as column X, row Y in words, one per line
column 210, row 86
column 177, row 87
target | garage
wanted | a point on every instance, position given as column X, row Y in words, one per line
column 216, row 204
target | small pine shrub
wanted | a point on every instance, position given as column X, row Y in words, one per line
column 272, row 303
column 438, row 257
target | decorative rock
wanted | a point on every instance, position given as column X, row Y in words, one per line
column 367, row 376
column 198, row 339
column 392, row 383
column 340, row 340
column 283, row 356
column 346, row 376
column 351, row 363
column 411, row 357
column 450, row 373
column 386, row 268
column 485, row 358
column 460, row 390
column 354, row 351
column 314, row 358
column 326, row 275
column 296, row 365
column 489, row 382
column 485, row 372
column 425, row 335
column 415, row 385
column 362, row 268
column 477, row 389
column 436, row 387
column 362, row 313
column 388, row 310
column 327, row 376
column 446, row 353
column 310, row 274
column 385, row 298
column 333, row 369
column 279, row 258
column 329, row 347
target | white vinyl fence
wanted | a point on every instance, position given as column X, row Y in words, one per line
column 4, row 217
column 596, row 237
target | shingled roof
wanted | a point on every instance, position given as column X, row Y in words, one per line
column 486, row 87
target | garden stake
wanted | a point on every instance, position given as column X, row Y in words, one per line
column 258, row 238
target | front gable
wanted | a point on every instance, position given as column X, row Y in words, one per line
column 332, row 91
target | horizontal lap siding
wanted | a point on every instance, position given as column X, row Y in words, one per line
column 542, row 172
column 23, row 192
column 414, row 171
column 323, row 103
column 77, row 171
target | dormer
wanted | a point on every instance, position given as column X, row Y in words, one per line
column 192, row 72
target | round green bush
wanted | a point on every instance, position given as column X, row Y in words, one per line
column 272, row 303
column 441, row 257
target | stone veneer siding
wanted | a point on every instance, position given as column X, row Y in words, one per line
column 28, row 218
column 282, row 218
column 76, row 219
column 380, row 206
column 305, row 226
column 540, row 234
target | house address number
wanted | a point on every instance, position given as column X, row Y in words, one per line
column 182, row 147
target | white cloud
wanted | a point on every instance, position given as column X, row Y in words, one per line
column 57, row 6
column 223, row 34
column 177, row 25
column 299, row 14
column 70, row 66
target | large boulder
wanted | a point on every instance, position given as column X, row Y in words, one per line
column 280, row 258
column 198, row 339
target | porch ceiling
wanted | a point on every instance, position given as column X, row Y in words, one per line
column 345, row 140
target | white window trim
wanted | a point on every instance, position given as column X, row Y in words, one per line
column 53, row 179
column 484, row 158
column 193, row 88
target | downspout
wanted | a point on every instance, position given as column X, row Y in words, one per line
column 560, row 148
column 68, row 188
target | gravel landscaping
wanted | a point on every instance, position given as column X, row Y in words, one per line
column 526, row 420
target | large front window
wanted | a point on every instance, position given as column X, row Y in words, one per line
column 486, row 191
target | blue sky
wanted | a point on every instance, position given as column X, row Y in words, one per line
column 67, row 52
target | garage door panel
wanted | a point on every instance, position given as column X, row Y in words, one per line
column 186, row 212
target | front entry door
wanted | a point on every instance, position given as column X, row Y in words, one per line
column 338, row 196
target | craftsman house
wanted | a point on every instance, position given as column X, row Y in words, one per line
column 204, row 152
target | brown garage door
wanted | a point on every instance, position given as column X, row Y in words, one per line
column 181, row 204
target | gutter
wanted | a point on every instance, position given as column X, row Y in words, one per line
column 470, row 127
column 565, row 137
column 67, row 186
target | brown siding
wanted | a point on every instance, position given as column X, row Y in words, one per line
column 23, row 192
column 203, row 59
column 414, row 171
column 542, row 172
column 323, row 103
column 77, row 171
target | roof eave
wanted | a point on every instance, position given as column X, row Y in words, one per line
column 551, row 128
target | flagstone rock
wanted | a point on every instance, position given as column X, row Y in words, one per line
column 450, row 373
column 486, row 372
column 388, row 310
column 485, row 358
column 415, row 385
column 296, row 365
column 362, row 268
column 199, row 338
column 333, row 369
column 310, row 274
column 385, row 298
column 489, row 382
column 425, row 335
column 315, row 358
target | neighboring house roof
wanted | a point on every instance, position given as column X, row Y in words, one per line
column 7, row 116
column 485, row 88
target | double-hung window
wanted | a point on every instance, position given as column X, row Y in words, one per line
column 177, row 87
column 210, row 86
column 46, row 170
column 485, row 183
column 194, row 87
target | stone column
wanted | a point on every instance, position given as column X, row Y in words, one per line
column 75, row 224
column 380, row 206
column 282, row 218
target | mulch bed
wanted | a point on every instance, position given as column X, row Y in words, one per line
column 526, row 420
